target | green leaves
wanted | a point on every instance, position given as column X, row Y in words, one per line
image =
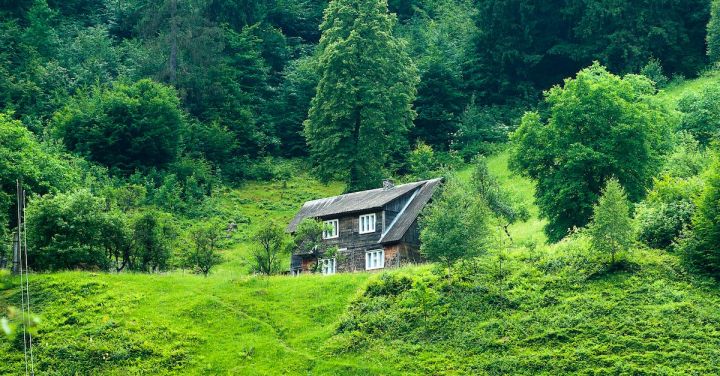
column 612, row 229
column 713, row 32
column 455, row 226
column 126, row 127
column 599, row 125
column 359, row 118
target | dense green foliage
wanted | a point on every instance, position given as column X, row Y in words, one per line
column 701, row 113
column 41, row 167
column 455, row 226
column 703, row 245
column 360, row 116
column 713, row 32
column 599, row 125
column 128, row 127
column 522, row 46
column 667, row 210
column 161, row 138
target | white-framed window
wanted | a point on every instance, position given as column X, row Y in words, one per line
column 328, row 266
column 367, row 223
column 375, row 259
column 332, row 229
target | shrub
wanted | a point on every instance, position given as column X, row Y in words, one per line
column 202, row 254
column 140, row 125
column 271, row 244
column 654, row 71
column 703, row 245
column 69, row 231
column 667, row 210
column 154, row 234
column 481, row 127
column 701, row 113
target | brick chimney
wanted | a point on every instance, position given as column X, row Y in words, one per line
column 388, row 184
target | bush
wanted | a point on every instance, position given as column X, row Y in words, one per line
column 667, row 210
column 702, row 246
column 67, row 231
column 202, row 253
column 654, row 71
column 140, row 125
column 701, row 113
column 154, row 234
column 482, row 127
column 455, row 226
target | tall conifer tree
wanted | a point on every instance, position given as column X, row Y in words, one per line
column 713, row 32
column 359, row 119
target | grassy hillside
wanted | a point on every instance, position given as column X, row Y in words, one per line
column 182, row 324
column 548, row 311
column 675, row 91
column 257, row 202
column 542, row 310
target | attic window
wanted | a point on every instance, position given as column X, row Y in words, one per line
column 366, row 223
column 331, row 229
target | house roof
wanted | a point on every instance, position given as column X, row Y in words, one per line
column 372, row 199
column 397, row 229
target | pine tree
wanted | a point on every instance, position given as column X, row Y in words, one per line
column 359, row 119
column 612, row 229
column 713, row 33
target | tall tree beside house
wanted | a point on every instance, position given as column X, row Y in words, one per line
column 599, row 125
column 359, row 119
column 713, row 32
column 456, row 226
column 612, row 231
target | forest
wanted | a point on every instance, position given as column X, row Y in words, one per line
column 164, row 145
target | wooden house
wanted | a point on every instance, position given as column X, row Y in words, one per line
column 372, row 229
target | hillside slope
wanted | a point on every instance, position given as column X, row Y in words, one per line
column 542, row 310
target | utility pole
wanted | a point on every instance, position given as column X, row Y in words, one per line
column 16, row 254
column 17, row 246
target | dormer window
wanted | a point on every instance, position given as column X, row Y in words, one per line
column 331, row 229
column 367, row 223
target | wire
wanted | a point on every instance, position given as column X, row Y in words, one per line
column 27, row 283
column 20, row 259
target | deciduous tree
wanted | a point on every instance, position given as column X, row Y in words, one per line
column 598, row 125
column 271, row 244
column 455, row 226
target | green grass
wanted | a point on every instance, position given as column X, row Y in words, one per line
column 675, row 91
column 258, row 202
column 548, row 310
column 551, row 311
column 521, row 189
column 187, row 324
